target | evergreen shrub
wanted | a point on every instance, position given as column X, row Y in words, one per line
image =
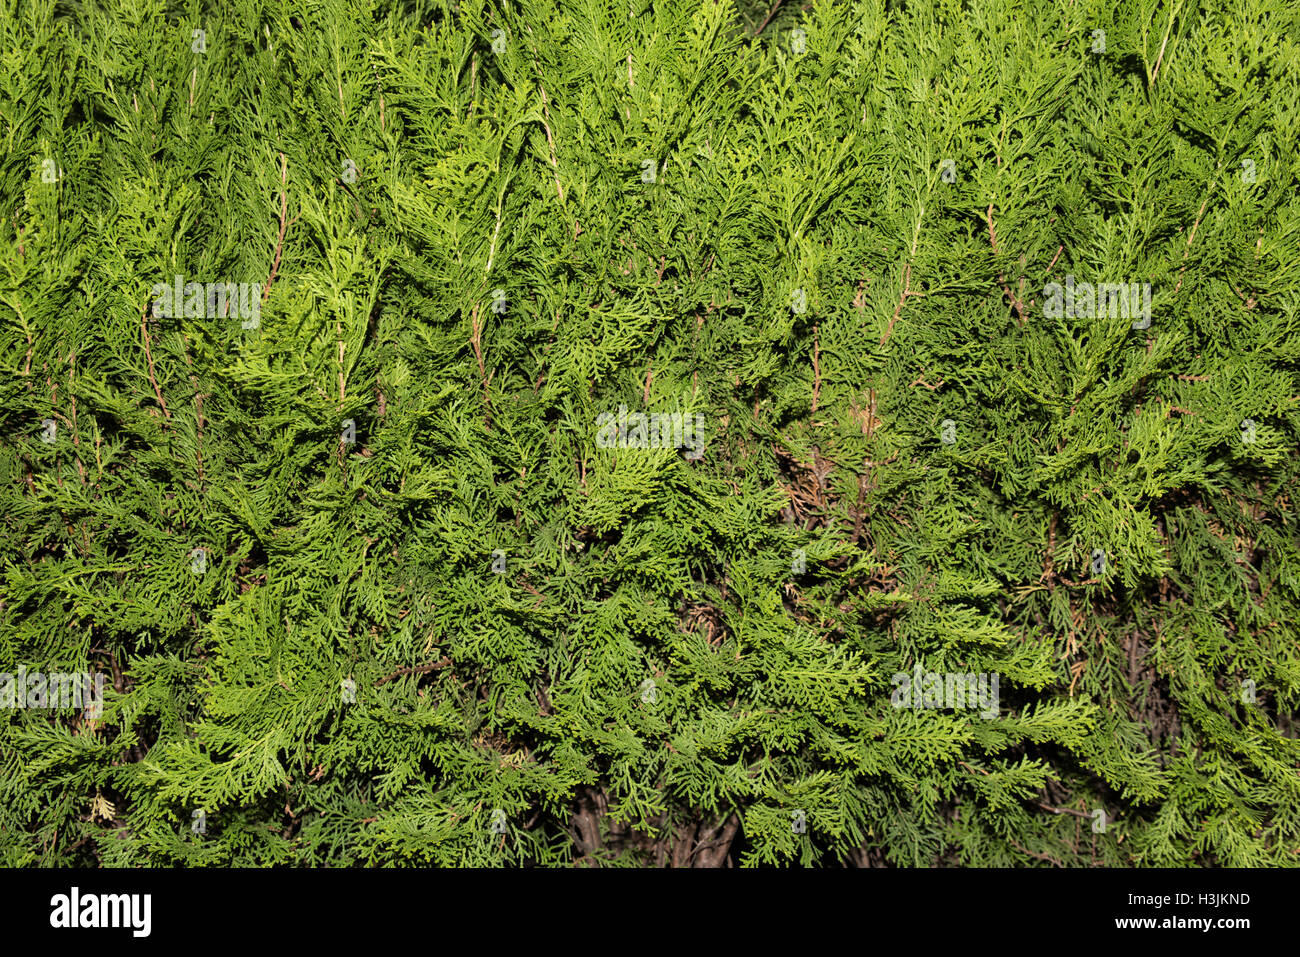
column 655, row 433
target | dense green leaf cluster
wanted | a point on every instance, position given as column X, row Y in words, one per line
column 368, row 586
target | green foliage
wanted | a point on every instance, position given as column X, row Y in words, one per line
column 825, row 230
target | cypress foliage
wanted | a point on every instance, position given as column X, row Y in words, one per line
column 356, row 523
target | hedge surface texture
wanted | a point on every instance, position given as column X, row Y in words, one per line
column 570, row 432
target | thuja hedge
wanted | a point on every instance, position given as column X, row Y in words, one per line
column 331, row 337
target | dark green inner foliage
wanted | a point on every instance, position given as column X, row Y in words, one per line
column 665, row 432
